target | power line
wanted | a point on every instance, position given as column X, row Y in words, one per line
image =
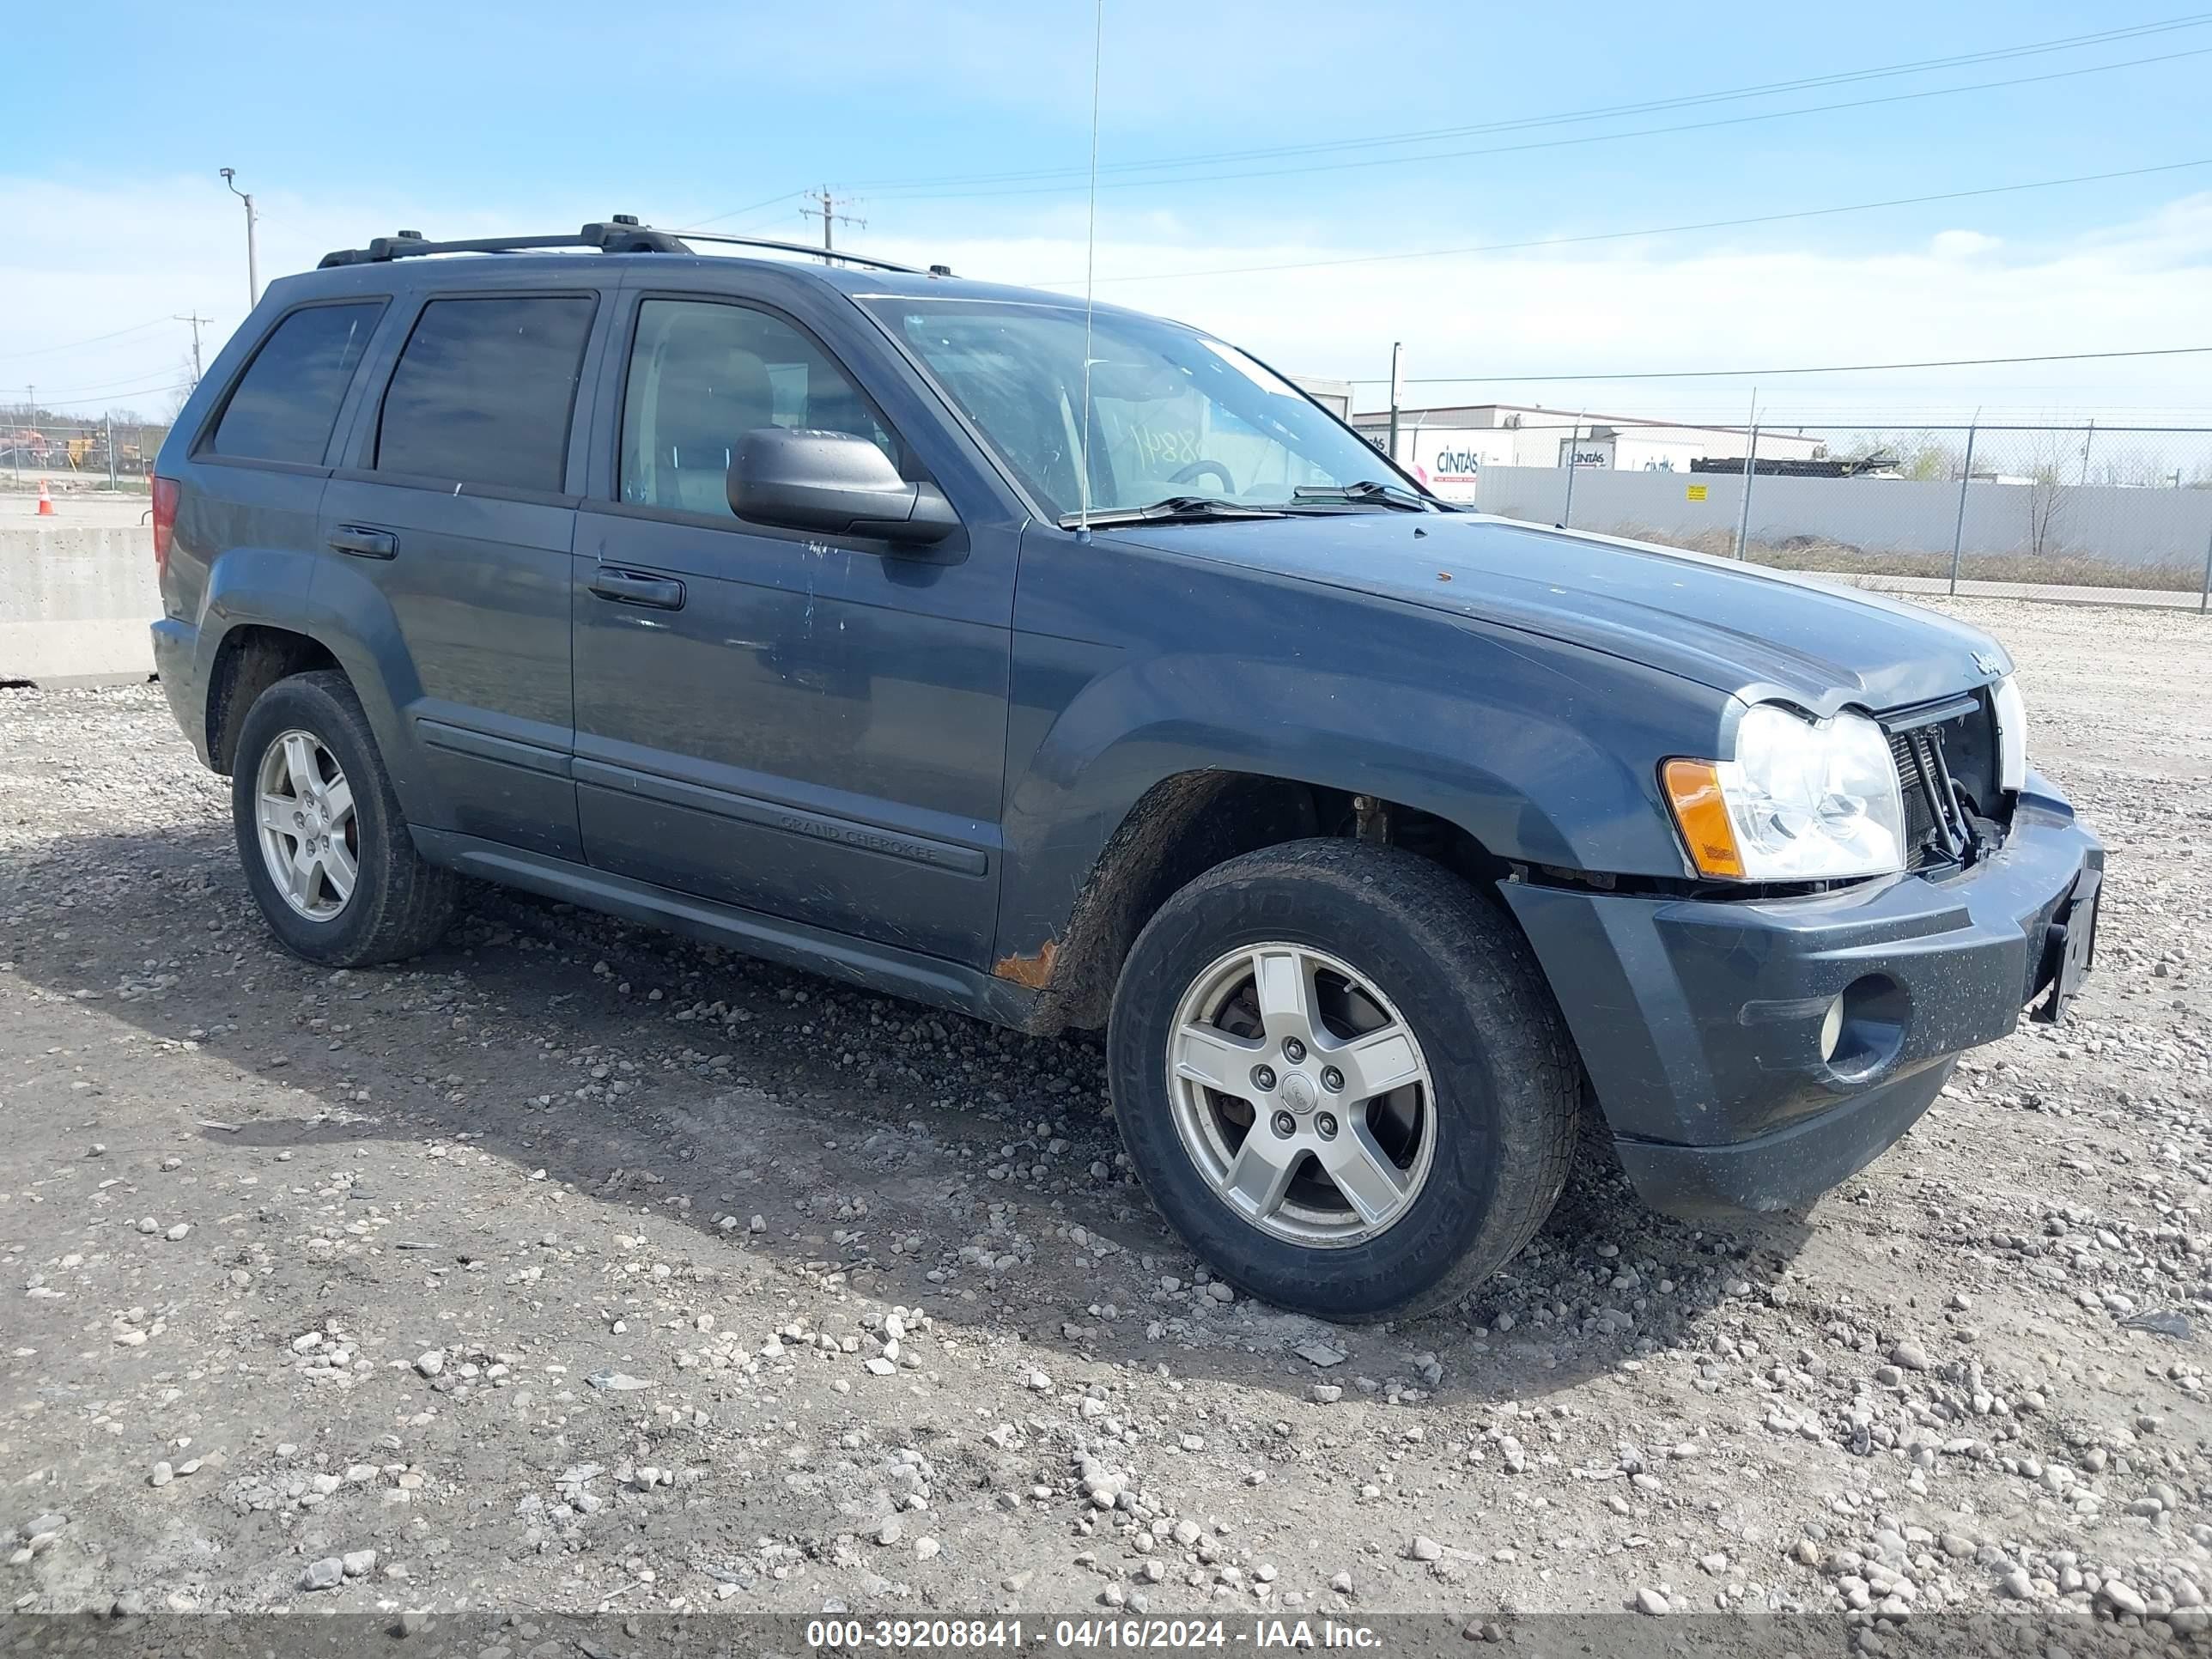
column 1654, row 230
column 103, row 385
column 1566, row 118
column 1562, row 143
column 828, row 206
column 1820, row 369
column 737, row 212
column 41, row 351
column 111, row 398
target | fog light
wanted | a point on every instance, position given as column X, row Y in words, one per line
column 1832, row 1029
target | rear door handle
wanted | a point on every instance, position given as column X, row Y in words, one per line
column 364, row 543
column 627, row 587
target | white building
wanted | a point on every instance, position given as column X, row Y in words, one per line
column 1449, row 446
column 1334, row 395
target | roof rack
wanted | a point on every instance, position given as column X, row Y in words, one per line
column 621, row 234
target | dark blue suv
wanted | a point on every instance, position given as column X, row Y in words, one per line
column 1071, row 669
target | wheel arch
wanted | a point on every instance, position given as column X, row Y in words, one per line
column 1190, row 821
column 249, row 658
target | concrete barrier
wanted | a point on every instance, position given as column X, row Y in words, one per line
column 75, row 603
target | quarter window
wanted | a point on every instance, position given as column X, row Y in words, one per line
column 288, row 401
column 484, row 391
column 701, row 375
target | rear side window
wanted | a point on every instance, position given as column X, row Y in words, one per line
column 285, row 406
column 484, row 390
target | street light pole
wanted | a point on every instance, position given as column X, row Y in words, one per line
column 252, row 257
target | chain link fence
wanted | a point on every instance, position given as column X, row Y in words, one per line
column 2082, row 506
column 71, row 452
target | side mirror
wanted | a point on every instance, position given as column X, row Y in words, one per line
column 834, row 483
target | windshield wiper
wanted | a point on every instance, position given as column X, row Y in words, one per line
column 1367, row 490
column 1171, row 508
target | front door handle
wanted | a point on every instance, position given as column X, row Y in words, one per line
column 364, row 543
column 627, row 587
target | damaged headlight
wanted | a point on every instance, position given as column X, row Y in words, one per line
column 1803, row 800
column 2012, row 736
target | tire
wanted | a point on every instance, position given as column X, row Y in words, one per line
column 394, row 904
column 1497, row 1087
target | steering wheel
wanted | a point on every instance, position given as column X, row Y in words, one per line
column 1190, row 473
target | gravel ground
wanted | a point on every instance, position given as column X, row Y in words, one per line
column 577, row 1268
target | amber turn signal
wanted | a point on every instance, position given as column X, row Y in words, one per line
column 1693, row 790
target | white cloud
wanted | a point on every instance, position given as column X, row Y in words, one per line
column 95, row 259
column 90, row 261
column 1951, row 245
column 1650, row 307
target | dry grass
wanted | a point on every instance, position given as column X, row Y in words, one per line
column 1840, row 558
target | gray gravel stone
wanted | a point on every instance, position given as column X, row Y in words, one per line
column 328, row 1573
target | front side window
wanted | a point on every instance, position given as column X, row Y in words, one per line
column 701, row 375
column 1173, row 413
column 288, row 400
column 484, row 391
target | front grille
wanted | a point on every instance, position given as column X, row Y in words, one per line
column 1946, row 759
column 1919, row 813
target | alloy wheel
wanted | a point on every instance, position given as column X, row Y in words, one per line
column 1302, row 1095
column 310, row 834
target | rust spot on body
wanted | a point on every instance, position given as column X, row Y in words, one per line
column 1033, row 971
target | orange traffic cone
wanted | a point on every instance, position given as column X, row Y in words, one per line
column 46, row 500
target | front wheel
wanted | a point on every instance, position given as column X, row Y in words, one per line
column 1342, row 1079
column 321, row 834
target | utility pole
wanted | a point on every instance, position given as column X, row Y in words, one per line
column 1397, row 390
column 1750, row 468
column 1965, row 477
column 253, row 257
column 828, row 208
column 108, row 424
column 1574, row 443
column 196, row 320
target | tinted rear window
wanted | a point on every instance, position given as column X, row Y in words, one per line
column 483, row 391
column 284, row 407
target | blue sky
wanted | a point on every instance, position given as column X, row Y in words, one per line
column 964, row 130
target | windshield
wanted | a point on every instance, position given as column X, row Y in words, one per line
column 1174, row 413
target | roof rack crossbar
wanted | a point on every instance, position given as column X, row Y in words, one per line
column 623, row 234
column 837, row 254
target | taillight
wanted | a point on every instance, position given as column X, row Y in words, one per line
column 165, row 520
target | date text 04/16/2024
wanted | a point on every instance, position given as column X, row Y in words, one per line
column 1087, row 1635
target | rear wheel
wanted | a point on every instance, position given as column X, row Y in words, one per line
column 320, row 833
column 1342, row 1079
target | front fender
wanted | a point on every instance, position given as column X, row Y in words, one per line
column 1543, row 752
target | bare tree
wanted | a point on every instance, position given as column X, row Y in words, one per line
column 2051, row 458
column 174, row 403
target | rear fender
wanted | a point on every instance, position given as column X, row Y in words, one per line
column 246, row 587
column 352, row 617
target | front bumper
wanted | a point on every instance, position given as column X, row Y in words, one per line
column 1700, row 1022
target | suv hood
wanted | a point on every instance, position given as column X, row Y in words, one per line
column 1738, row 628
